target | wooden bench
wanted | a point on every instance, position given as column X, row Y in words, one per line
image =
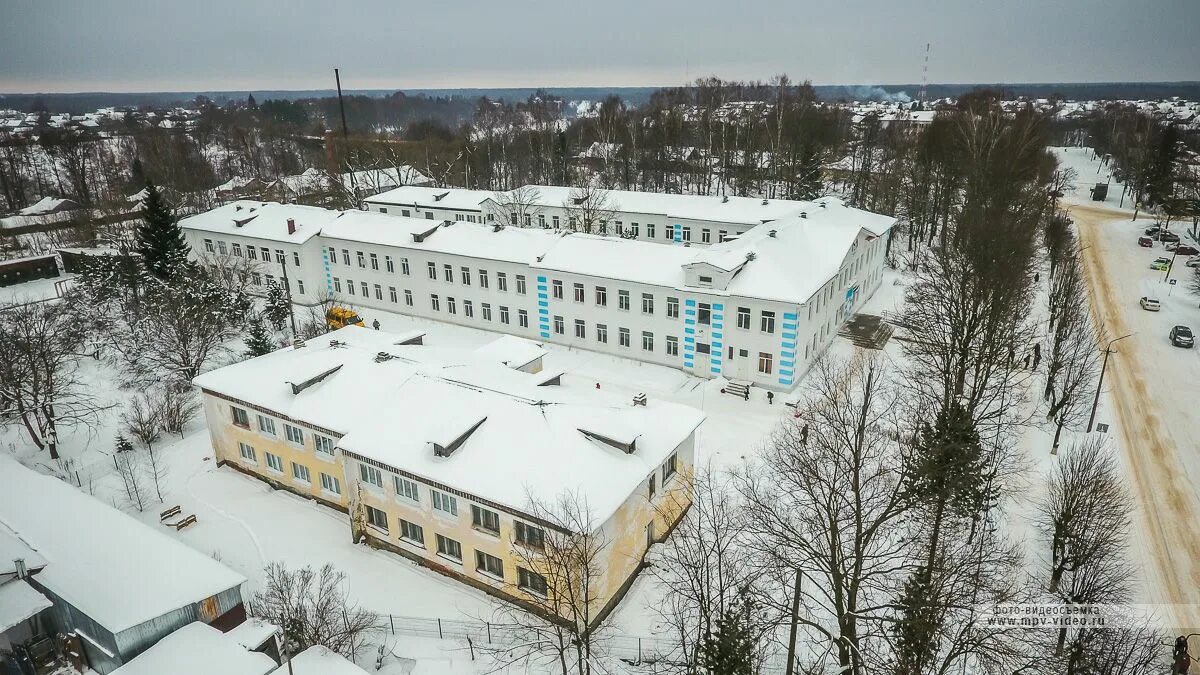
column 185, row 522
column 169, row 513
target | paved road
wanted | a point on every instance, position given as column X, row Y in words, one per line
column 1154, row 389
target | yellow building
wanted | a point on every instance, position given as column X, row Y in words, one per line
column 460, row 460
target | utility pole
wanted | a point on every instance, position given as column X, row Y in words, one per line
column 287, row 288
column 1096, row 401
column 791, row 651
column 337, row 76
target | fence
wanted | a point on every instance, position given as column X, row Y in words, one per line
column 86, row 475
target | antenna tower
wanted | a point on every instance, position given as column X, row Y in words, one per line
column 924, row 77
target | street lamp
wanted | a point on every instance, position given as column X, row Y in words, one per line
column 1096, row 402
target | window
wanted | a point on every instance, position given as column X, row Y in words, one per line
column 706, row 282
column 623, row 300
column 337, row 284
column 580, row 329
column 765, row 362
column 406, row 488
column 252, row 254
column 531, row 581
column 672, row 308
column 722, row 235
column 533, row 537
column 371, row 475
column 466, row 276
column 647, row 341
column 377, row 519
column 502, row 282
column 275, row 462
column 300, row 286
column 449, row 548
column 433, row 302
column 432, row 271
column 468, row 309
column 702, row 348
column 633, row 228
column 483, row 279
column 237, row 249
column 672, row 345
column 767, row 325
column 361, row 261
column 323, row 444
column 240, row 417
column 383, row 209
column 521, row 284
column 483, row 519
column 487, row 311
column 300, row 472
column 221, row 247
column 255, row 278
column 578, row 292
column 743, row 318
column 404, row 269
column 375, row 262
column 248, row 453
column 653, row 486
column 392, row 294
column 331, row 484
column 412, row 532
column 448, row 273
column 556, row 288
column 704, row 314
column 378, row 291
column 266, row 425
column 555, row 222
column 623, row 337
column 503, row 314
column 687, row 233
column 388, row 264
column 444, row 502
column 650, row 230
column 332, row 255
column 280, row 256
column 451, row 306
column 647, row 303
column 408, row 300
column 669, row 467
column 208, row 245
column 522, row 318
column 363, row 286
column 266, row 255
column 350, row 286
column 670, row 231
column 601, row 296
column 601, row 333
column 294, row 434
column 558, row 325
column 705, row 236
column 489, row 564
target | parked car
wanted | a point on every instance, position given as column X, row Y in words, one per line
column 1168, row 236
column 1186, row 249
column 1181, row 336
column 1160, row 264
column 1145, row 242
column 1193, row 261
column 1150, row 304
column 1170, row 245
column 1152, row 231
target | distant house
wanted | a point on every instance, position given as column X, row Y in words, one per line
column 116, row 583
column 48, row 205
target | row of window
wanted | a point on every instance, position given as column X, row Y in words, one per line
column 633, row 230
column 294, row 435
column 300, row 473
column 251, row 253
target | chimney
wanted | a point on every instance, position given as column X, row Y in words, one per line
column 298, row 343
column 772, row 233
column 291, row 226
column 639, row 399
column 804, row 214
column 22, row 571
column 725, row 199
column 764, row 202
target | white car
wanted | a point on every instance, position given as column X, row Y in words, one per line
column 1150, row 304
column 1193, row 261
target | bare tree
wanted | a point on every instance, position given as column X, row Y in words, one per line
column 826, row 498
column 560, row 566
column 176, row 405
column 142, row 421
column 1074, row 362
column 131, row 467
column 518, row 207
column 312, row 609
column 589, row 209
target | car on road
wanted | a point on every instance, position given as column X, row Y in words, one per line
column 1160, row 264
column 1145, row 242
column 1168, row 237
column 1170, row 245
column 1150, row 304
column 1181, row 336
column 1186, row 249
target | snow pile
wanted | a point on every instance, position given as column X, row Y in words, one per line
column 197, row 649
column 18, row 602
column 318, row 660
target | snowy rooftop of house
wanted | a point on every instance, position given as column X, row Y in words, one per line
column 510, row 438
column 432, row 197
column 262, row 220
column 789, row 267
column 198, row 649
column 13, row 548
column 116, row 570
column 19, row 601
column 511, row 351
column 46, row 205
column 252, row 633
column 318, row 660
column 714, row 208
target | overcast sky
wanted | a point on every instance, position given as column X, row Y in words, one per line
column 172, row 45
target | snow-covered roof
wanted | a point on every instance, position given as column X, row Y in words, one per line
column 262, row 220
column 197, row 649
column 318, row 660
column 116, row 570
column 48, row 205
column 383, row 179
column 13, row 548
column 396, row 409
column 18, row 602
column 459, row 199
column 512, row 351
column 252, row 633
column 713, row 208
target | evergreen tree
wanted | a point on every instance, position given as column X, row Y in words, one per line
column 122, row 444
column 808, row 175
column 729, row 648
column 258, row 339
column 918, row 626
column 160, row 239
column 277, row 309
column 251, row 103
column 137, row 173
column 1160, row 178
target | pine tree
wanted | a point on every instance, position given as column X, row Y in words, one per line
column 808, row 174
column 729, row 648
column 122, row 444
column 276, row 310
column 918, row 626
column 160, row 239
column 258, row 339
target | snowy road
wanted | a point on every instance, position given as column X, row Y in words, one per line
column 1151, row 387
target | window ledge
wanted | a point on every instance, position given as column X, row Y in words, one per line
column 325, row 458
column 378, row 529
column 488, row 576
column 490, row 533
column 412, row 542
column 334, row 495
column 456, row 561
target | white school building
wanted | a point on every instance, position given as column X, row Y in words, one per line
column 756, row 308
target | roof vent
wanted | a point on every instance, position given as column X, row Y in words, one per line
column 822, row 204
column 383, row 356
column 764, row 202
column 750, row 255
column 447, row 223
column 497, row 227
column 298, row 387
column 237, row 207
column 298, row 343
column 336, row 344
column 725, row 199
column 440, row 197
column 639, row 399
column 291, row 226
column 804, row 214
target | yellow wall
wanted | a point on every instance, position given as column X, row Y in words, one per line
column 226, row 436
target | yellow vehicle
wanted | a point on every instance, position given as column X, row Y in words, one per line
column 340, row 317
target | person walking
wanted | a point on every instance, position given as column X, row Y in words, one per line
column 375, row 324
